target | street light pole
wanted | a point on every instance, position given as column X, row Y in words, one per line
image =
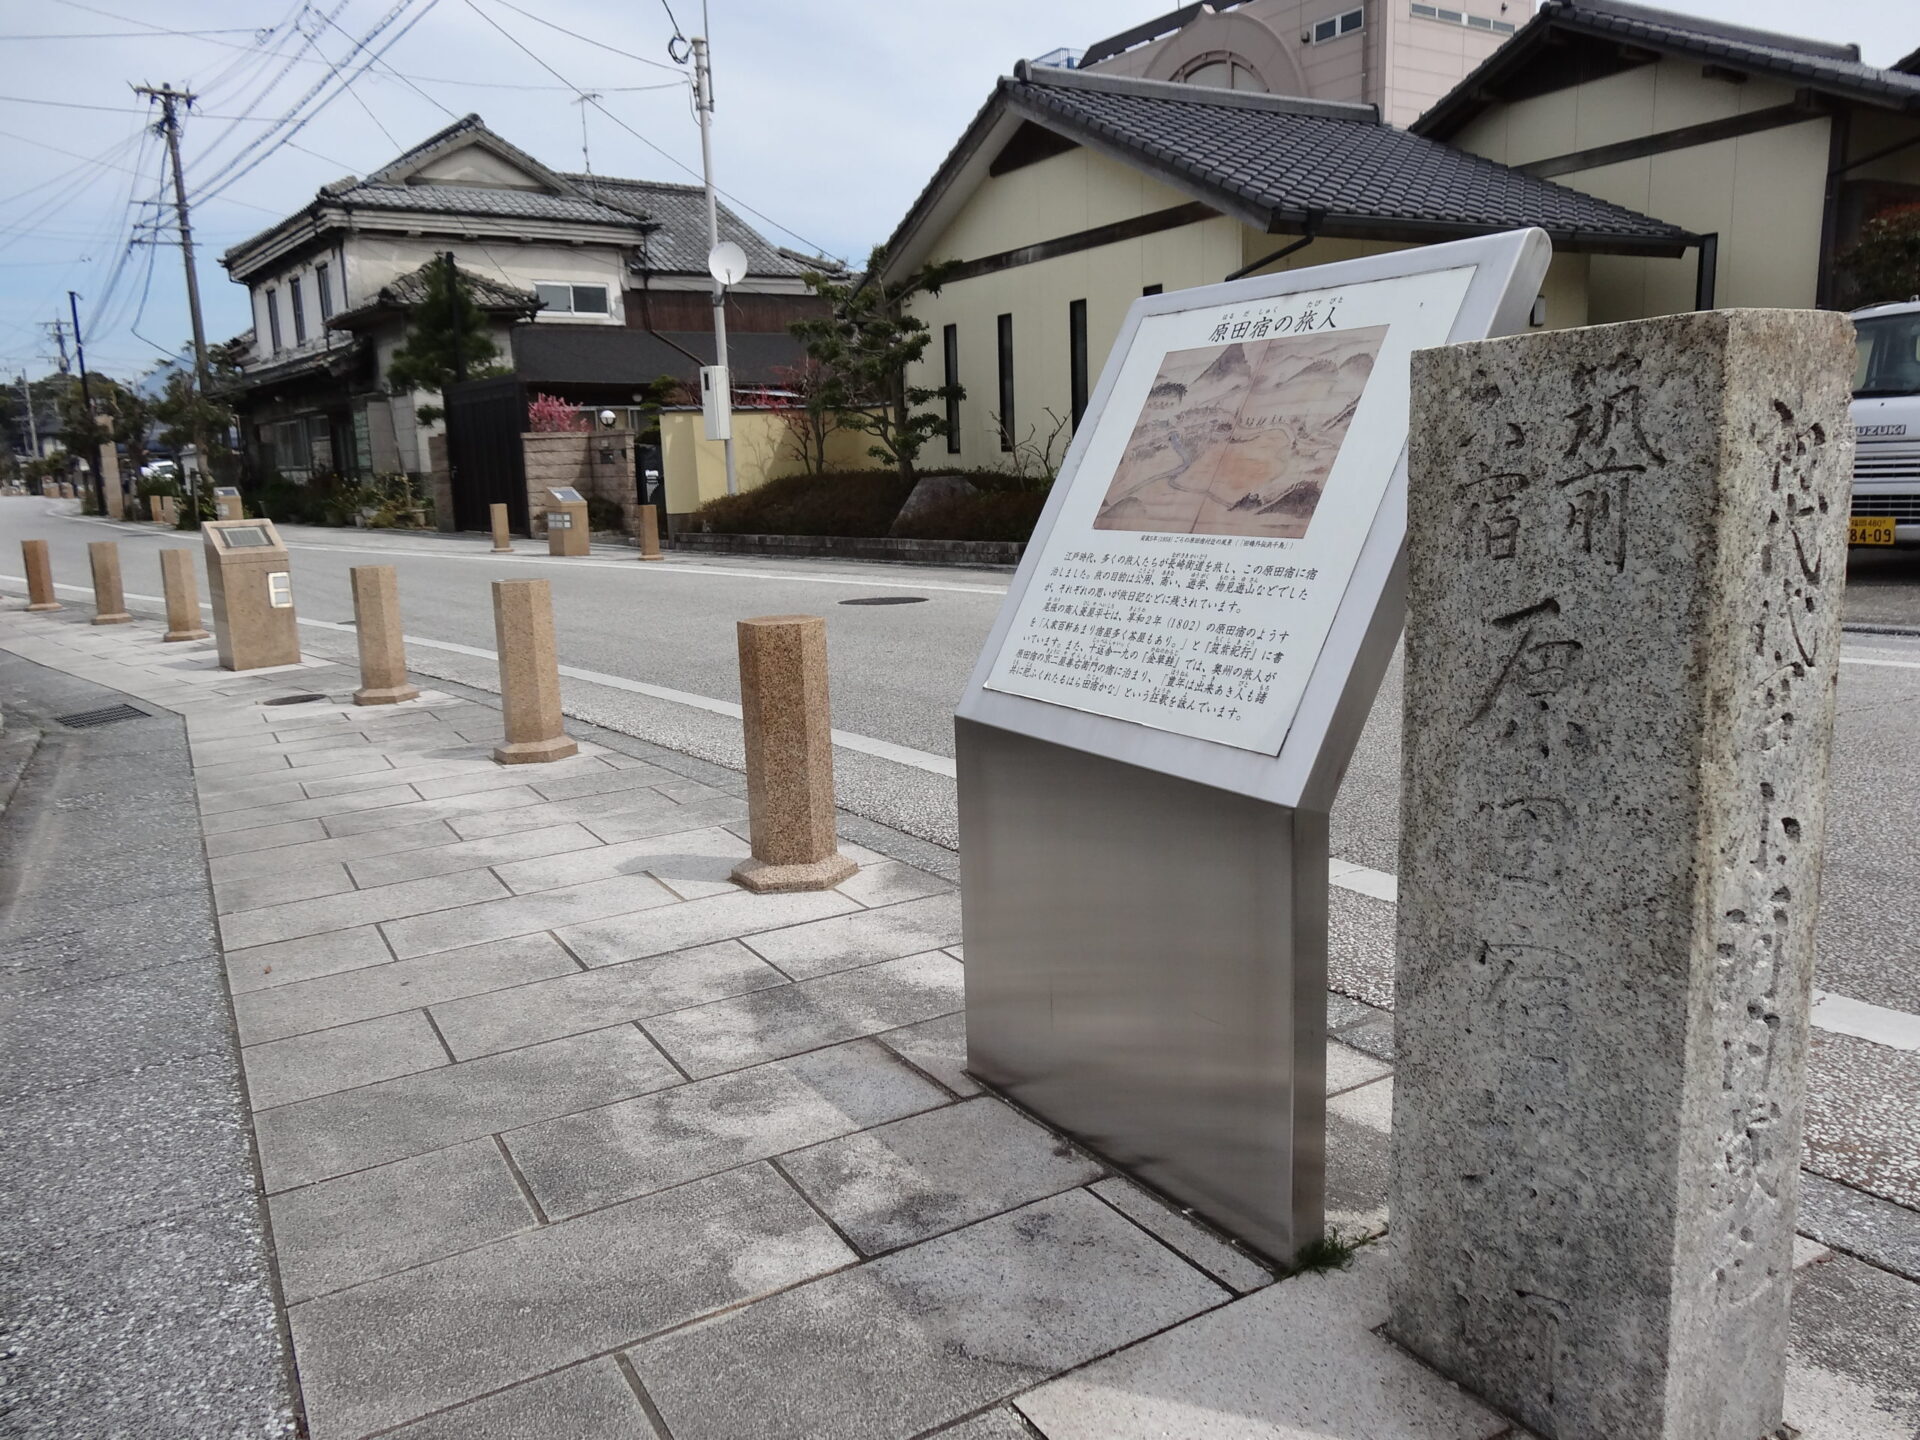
column 703, row 105
column 169, row 128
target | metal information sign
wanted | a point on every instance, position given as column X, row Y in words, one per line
column 1153, row 735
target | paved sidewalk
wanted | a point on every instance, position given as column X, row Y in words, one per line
column 564, row 1135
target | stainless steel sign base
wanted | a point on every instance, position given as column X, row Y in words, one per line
column 1147, row 968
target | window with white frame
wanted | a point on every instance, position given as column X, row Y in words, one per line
column 1334, row 26
column 558, row 298
column 323, row 282
column 1460, row 17
column 273, row 318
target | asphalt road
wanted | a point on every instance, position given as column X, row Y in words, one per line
column 652, row 650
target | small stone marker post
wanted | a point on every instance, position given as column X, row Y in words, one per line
column 183, row 595
column 502, row 536
column 383, row 648
column 649, row 517
column 529, row 674
column 1626, row 554
column 39, row 575
column 109, row 595
column 789, row 735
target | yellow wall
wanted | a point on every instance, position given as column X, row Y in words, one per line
column 694, row 468
column 1059, row 196
column 1762, row 193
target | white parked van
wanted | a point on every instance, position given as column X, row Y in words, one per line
column 1886, row 425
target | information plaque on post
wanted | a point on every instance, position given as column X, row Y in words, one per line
column 1152, row 738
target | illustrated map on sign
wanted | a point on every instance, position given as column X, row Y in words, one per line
column 1238, row 439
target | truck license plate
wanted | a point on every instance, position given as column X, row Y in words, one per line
column 1870, row 530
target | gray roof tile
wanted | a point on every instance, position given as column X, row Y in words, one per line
column 460, row 200
column 680, row 244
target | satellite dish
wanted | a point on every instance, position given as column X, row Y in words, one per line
column 727, row 263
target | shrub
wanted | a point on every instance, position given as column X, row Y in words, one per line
column 843, row 502
column 550, row 415
column 605, row 514
column 1004, row 514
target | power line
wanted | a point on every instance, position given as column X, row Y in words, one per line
column 107, row 109
column 133, row 34
column 588, row 39
column 444, row 110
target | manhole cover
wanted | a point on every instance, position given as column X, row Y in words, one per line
column 293, row 699
column 110, row 715
column 887, row 600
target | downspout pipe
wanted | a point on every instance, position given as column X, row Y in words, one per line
column 1307, row 237
column 1708, row 270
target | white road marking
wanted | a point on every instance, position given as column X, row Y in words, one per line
column 1883, row 664
column 1362, row 881
column 1857, row 1018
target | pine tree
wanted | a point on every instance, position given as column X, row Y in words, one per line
column 449, row 337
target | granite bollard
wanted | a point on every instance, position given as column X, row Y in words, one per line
column 1626, row 554
column 789, row 735
column 183, row 595
column 109, row 595
column 529, row 674
column 502, row 536
column 383, row 648
column 648, row 517
column 39, row 575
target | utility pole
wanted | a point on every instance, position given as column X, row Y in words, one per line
column 33, row 425
column 59, row 331
column 703, row 105
column 86, row 404
column 169, row 128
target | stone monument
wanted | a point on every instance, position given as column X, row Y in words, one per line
column 250, row 582
column 567, row 525
column 789, row 735
column 1626, row 551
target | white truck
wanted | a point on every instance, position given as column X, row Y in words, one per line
column 1886, row 425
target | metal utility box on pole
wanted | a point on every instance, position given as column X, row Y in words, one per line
column 169, row 128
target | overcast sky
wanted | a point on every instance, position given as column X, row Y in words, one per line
column 831, row 117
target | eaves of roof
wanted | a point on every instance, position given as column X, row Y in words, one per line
column 1824, row 69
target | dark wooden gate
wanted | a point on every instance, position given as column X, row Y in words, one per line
column 485, row 462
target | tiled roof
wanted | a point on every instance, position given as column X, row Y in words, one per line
column 1279, row 163
column 410, row 289
column 1819, row 65
column 679, row 246
column 465, row 200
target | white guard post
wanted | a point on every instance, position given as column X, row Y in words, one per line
column 1152, row 738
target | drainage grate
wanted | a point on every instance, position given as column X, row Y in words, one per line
column 111, row 715
column 887, row 600
column 293, row 699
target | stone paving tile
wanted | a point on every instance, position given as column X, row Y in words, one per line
column 692, row 863
column 907, row 1181
column 302, row 918
column 1228, row 1264
column 124, row 1150
column 579, row 1001
column 1876, row 1230
column 73, row 1034
column 334, row 1134
column 925, row 1335
column 590, row 1402
column 644, row 812
column 257, row 892
column 937, row 1046
column 397, row 985
column 469, row 854
column 1358, row 1157
column 398, row 1348
column 696, row 922
column 1863, row 1115
column 841, row 943
column 768, row 1024
column 629, row 775
column 890, row 882
column 456, row 810
column 1850, row 1362
column 253, row 794
column 410, row 771
column 523, row 914
column 1297, row 1359
column 1347, row 1067
column 320, row 851
column 261, row 816
column 380, row 1221
column 290, row 832
column 689, row 813
column 582, row 1161
column 999, row 1424
column 469, row 778
column 282, row 1072
column 291, row 961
